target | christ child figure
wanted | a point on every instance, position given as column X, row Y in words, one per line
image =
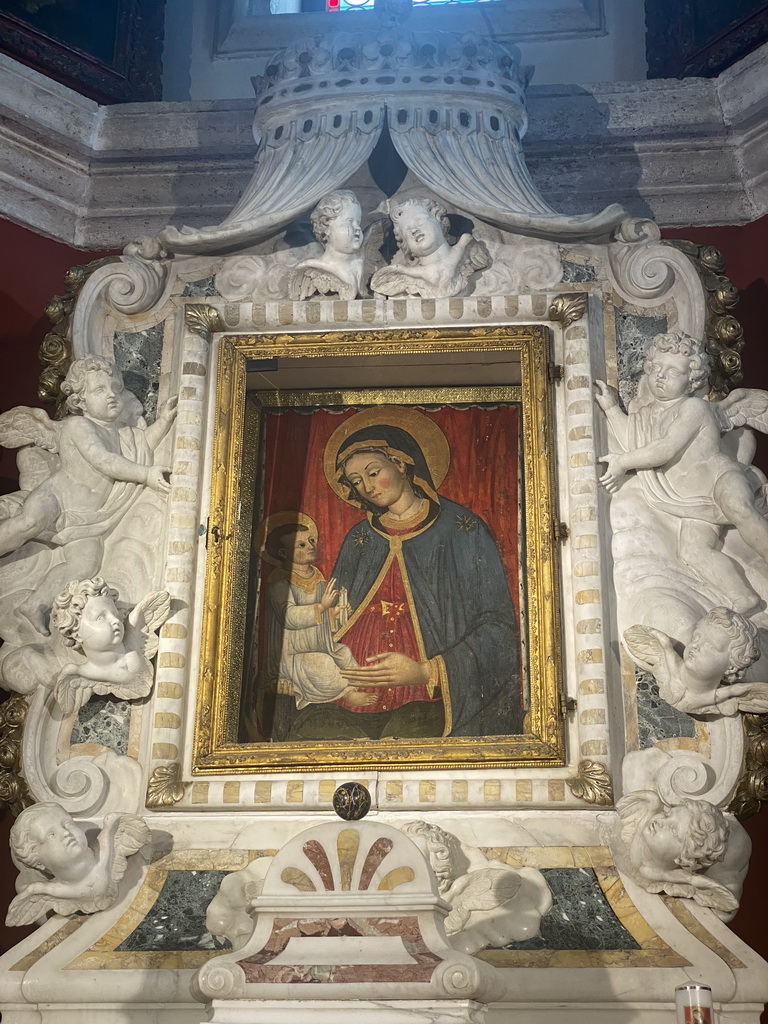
column 76, row 505
column 302, row 613
column 674, row 442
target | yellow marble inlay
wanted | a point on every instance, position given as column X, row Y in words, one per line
column 460, row 791
column 394, row 792
column 347, row 845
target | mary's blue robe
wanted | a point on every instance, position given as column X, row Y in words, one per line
column 463, row 609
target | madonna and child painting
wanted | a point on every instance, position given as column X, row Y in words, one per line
column 386, row 577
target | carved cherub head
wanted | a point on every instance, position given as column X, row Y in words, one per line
column 94, row 386
column 420, row 225
column 692, row 835
column 86, row 616
column 336, row 222
column 442, row 849
column 675, row 365
column 723, row 644
column 46, row 838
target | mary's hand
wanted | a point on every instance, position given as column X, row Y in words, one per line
column 391, row 669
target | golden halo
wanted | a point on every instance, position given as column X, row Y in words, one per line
column 425, row 432
column 266, row 526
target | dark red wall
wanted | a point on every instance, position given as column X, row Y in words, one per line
column 33, row 271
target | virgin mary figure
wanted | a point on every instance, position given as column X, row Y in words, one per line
column 431, row 621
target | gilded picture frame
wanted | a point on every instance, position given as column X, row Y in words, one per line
column 419, row 512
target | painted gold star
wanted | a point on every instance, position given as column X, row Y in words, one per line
column 467, row 523
column 361, row 537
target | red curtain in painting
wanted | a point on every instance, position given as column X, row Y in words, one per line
column 483, row 474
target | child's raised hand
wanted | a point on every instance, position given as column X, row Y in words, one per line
column 606, row 396
column 329, row 595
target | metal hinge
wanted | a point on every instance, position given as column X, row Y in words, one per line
column 560, row 530
column 567, row 704
column 555, row 371
column 213, row 533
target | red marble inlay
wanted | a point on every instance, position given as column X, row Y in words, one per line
column 319, row 858
column 376, row 855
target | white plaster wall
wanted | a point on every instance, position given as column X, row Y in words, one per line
column 616, row 52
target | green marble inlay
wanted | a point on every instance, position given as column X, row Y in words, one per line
column 177, row 918
column 581, row 917
column 138, row 355
column 105, row 721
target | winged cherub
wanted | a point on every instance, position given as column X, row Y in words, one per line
column 65, row 874
column 671, row 848
column 686, row 467
column 722, row 647
column 340, row 268
column 117, row 659
column 427, row 265
column 104, row 454
column 492, row 904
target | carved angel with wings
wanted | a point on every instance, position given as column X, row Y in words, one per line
column 80, row 474
column 117, row 651
column 722, row 646
column 686, row 466
column 670, row 848
column 61, row 871
column 427, row 265
column 346, row 264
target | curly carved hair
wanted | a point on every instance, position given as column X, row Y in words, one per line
column 432, row 206
column 73, row 385
column 23, row 845
column 68, row 607
column 328, row 209
column 679, row 343
column 706, row 838
column 744, row 644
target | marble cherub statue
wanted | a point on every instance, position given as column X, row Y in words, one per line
column 340, row 268
column 426, row 264
column 681, row 850
column 492, row 903
column 116, row 649
column 673, row 438
column 61, row 872
column 104, row 457
column 722, row 647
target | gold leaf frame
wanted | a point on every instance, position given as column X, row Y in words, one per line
column 215, row 748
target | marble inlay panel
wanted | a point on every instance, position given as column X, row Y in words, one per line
column 204, row 288
column 105, row 721
column 138, row 354
column 581, row 917
column 657, row 720
column 575, row 273
column 633, row 333
column 176, row 921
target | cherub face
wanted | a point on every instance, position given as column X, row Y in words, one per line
column 102, row 397
column 58, row 841
column 669, row 375
column 301, row 548
column 708, row 654
column 664, row 835
column 376, row 478
column 421, row 231
column 101, row 628
column 344, row 233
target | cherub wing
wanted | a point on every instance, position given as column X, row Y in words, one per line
column 121, row 836
column 375, row 239
column 147, row 617
column 653, row 650
column 635, row 809
column 71, row 690
column 308, row 279
column 29, row 907
column 22, row 426
column 743, row 407
column 392, row 281
column 485, row 889
column 475, row 257
column 705, row 891
column 752, row 698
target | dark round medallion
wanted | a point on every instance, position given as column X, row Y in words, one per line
column 351, row 801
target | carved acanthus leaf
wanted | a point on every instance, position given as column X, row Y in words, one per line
column 13, row 788
column 203, row 320
column 165, row 786
column 567, row 309
column 592, row 783
column 752, row 790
